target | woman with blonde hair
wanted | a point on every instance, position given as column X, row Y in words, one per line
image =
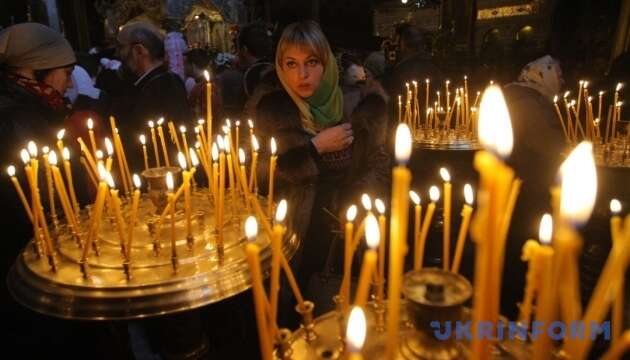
column 329, row 152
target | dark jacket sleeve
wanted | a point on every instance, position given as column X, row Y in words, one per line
column 277, row 116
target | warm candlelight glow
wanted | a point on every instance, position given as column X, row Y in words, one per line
column 241, row 156
column 136, row 181
column 32, row 148
column 110, row 180
column 201, row 121
column 102, row 173
column 619, row 86
column 215, row 152
column 372, row 232
column 99, row 155
column 415, row 198
column 160, row 121
column 255, row 144
column 274, row 147
column 251, row 228
column 90, row 123
column 182, row 161
column 281, row 211
column 143, row 139
column 579, row 184
column 468, row 194
column 250, row 123
column 555, row 99
column 615, row 206
column 109, row 147
column 206, row 74
column 366, row 202
column 60, row 134
column 193, row 157
column 351, row 213
column 380, row 206
column 52, row 158
column 11, row 170
column 494, row 125
column 226, row 144
column 403, row 143
column 169, row 181
column 445, row 175
column 434, row 193
column 45, row 150
column 151, row 124
column 545, row 230
column 356, row 330
column 25, row 156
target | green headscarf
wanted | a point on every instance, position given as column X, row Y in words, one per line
column 324, row 108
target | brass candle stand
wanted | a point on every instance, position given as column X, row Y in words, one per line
column 113, row 286
column 442, row 139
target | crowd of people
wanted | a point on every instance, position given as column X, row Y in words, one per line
column 329, row 112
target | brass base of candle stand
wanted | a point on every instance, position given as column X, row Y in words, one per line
column 108, row 288
column 445, row 140
column 616, row 154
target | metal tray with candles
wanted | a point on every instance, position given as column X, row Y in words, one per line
column 152, row 281
column 433, row 139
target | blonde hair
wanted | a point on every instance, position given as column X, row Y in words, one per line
column 306, row 35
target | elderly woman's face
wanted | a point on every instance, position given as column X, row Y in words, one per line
column 303, row 70
column 59, row 79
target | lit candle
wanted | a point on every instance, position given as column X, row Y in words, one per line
column 253, row 183
column 49, row 184
column 599, row 106
column 109, row 147
column 426, row 98
column 351, row 214
column 68, row 171
column 260, row 299
column 401, row 177
column 162, row 141
column 206, row 74
column 272, row 170
column 564, row 129
column 250, row 123
column 355, row 333
column 115, row 203
column 219, row 218
column 434, row 195
column 174, row 136
column 95, row 219
column 18, row 189
column 463, row 228
column 543, row 261
column 60, row 134
column 121, row 158
column 143, row 141
column 230, row 169
column 415, row 199
column 92, row 169
column 155, row 146
column 276, row 254
column 446, row 234
column 90, row 126
column 448, row 95
column 63, row 195
column 134, row 214
column 616, row 234
column 186, row 184
column 380, row 207
column 182, row 130
column 26, row 159
column 399, row 109
column 215, row 175
column 495, row 135
column 171, row 203
column 372, row 237
column 202, row 134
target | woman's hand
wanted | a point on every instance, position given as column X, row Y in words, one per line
column 333, row 139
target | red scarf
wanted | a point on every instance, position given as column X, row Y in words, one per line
column 46, row 93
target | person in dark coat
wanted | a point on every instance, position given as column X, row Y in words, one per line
column 158, row 92
column 539, row 146
column 325, row 159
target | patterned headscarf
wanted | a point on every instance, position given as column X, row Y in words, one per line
column 34, row 46
column 543, row 75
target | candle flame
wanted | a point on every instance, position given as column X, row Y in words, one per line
column 585, row 84
column 151, row 124
column 197, row 129
column 215, row 152
column 619, row 103
column 237, row 123
column 169, row 181
column 11, row 170
column 110, row 180
column 273, row 145
column 90, row 124
column 445, row 175
column 206, row 74
column 415, row 198
column 61, row 133
column 136, row 181
column 281, row 211
column 225, row 129
column 555, row 99
column 426, row 81
column 355, row 332
column 160, row 121
column 380, row 206
column 220, row 143
column 182, row 129
column 182, row 161
column 619, row 86
column 241, row 156
column 601, row 93
column 197, row 145
column 45, row 150
column 351, row 213
column 434, row 193
column 495, row 127
column 143, row 139
column 615, row 206
column 403, row 143
column 566, row 94
column 99, row 155
column 572, row 102
column 25, row 156
column 251, row 228
column 228, row 123
column 102, row 173
column 52, row 158
column 468, row 194
column 109, row 146
column 201, row 121
column 193, row 157
column 250, row 123
column 579, row 184
column 366, row 202
column 546, row 229
column 372, row 231
column 32, row 148
column 255, row 144
column 226, row 144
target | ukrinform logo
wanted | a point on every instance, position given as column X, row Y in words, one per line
column 556, row 330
